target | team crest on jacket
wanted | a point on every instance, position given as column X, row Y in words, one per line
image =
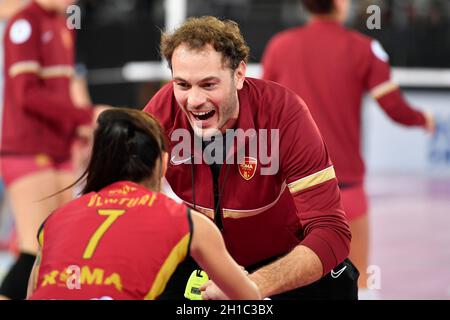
column 248, row 168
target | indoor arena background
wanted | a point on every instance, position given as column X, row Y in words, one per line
column 408, row 170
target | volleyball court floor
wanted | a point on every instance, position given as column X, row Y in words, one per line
column 410, row 224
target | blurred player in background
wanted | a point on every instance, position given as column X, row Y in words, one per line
column 40, row 123
column 7, row 9
column 331, row 68
column 130, row 236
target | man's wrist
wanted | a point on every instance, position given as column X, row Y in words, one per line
column 258, row 280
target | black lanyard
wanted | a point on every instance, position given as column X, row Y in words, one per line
column 215, row 171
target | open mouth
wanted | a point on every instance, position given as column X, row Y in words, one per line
column 204, row 115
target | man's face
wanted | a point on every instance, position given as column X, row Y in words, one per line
column 206, row 89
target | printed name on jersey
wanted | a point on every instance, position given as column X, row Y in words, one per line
column 20, row 31
column 378, row 51
column 88, row 276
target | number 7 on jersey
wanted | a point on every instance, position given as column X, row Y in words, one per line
column 112, row 215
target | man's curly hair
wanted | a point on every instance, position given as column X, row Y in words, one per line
column 224, row 36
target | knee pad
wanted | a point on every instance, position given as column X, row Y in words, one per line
column 15, row 284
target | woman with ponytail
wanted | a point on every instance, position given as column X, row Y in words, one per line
column 123, row 239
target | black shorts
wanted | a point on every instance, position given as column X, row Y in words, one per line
column 340, row 284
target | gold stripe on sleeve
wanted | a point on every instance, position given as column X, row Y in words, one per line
column 312, row 180
column 383, row 89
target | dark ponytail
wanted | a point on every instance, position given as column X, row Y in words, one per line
column 127, row 146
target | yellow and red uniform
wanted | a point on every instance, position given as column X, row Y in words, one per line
column 123, row 242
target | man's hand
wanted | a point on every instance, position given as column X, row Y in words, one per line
column 211, row 292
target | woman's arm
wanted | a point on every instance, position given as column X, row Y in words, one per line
column 209, row 251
